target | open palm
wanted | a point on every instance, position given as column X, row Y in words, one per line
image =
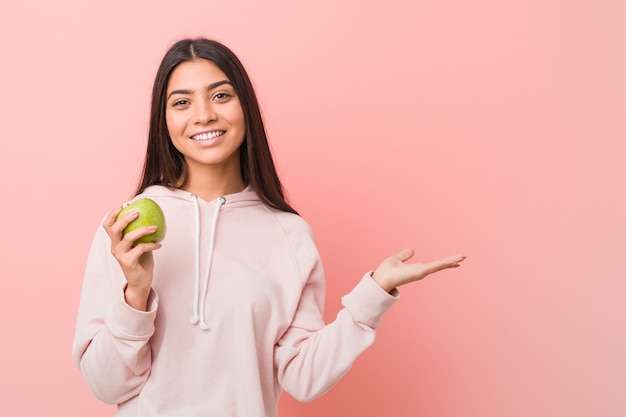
column 394, row 271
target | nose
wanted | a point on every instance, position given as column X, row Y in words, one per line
column 205, row 113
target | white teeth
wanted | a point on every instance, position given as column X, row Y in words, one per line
column 208, row 135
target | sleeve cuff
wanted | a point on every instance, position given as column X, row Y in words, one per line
column 368, row 302
column 129, row 323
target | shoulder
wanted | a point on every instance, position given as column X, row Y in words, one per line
column 301, row 241
column 291, row 224
column 161, row 191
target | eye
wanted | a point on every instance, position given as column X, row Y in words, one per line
column 180, row 102
column 222, row 96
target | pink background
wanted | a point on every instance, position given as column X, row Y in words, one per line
column 491, row 128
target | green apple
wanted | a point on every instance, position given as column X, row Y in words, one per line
column 150, row 214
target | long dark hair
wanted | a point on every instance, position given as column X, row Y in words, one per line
column 165, row 165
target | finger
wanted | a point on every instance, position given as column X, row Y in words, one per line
column 110, row 218
column 132, row 258
column 115, row 224
column 449, row 262
column 405, row 254
column 115, row 233
column 144, row 248
column 140, row 232
column 123, row 221
column 454, row 259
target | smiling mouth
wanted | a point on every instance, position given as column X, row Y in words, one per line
column 208, row 135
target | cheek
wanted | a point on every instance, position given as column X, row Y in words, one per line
column 236, row 115
column 241, row 122
column 242, row 129
column 174, row 124
column 174, row 132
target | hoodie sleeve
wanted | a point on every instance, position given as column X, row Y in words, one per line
column 111, row 342
column 312, row 357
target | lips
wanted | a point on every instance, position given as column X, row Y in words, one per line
column 208, row 135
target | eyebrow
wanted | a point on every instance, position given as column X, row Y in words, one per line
column 209, row 88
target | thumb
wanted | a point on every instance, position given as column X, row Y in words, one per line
column 405, row 254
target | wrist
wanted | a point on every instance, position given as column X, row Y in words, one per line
column 382, row 281
column 137, row 298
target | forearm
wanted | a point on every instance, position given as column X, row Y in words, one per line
column 316, row 360
column 117, row 358
column 325, row 357
column 108, row 376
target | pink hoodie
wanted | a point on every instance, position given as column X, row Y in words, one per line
column 235, row 315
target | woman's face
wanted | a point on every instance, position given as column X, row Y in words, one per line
column 204, row 116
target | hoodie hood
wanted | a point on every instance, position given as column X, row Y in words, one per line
column 247, row 197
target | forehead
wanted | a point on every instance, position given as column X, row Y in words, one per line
column 195, row 74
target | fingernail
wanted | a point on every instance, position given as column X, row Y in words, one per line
column 152, row 228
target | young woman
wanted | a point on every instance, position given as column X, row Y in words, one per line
column 228, row 311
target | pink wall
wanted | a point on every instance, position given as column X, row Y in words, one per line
column 491, row 128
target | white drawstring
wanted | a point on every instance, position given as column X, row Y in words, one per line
column 196, row 291
column 201, row 297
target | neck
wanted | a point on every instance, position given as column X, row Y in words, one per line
column 209, row 184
